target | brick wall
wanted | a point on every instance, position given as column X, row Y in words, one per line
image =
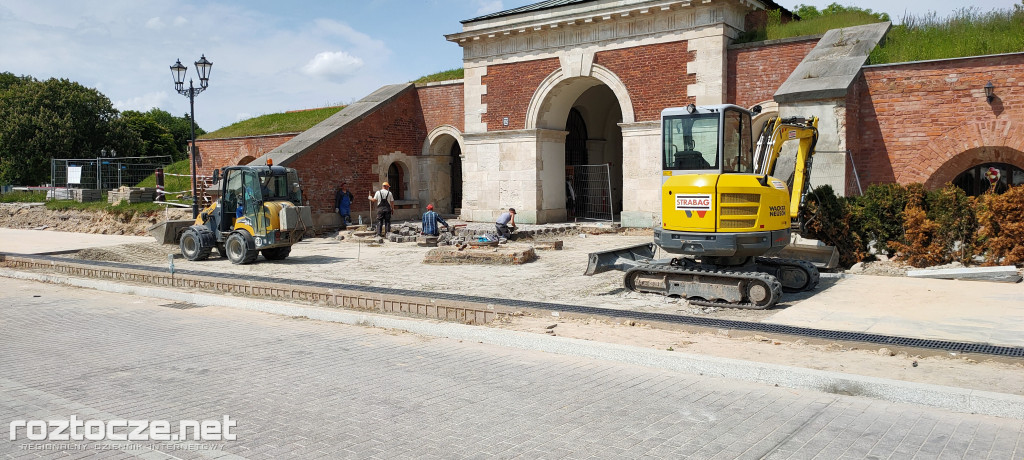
column 217, row 153
column 756, row 72
column 929, row 121
column 654, row 75
column 350, row 155
column 509, row 90
column 442, row 105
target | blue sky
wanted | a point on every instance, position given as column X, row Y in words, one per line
column 269, row 56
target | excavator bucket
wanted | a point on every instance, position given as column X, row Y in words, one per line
column 620, row 259
column 823, row 257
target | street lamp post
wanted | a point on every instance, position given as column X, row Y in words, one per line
column 178, row 71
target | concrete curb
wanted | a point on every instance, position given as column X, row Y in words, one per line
column 949, row 398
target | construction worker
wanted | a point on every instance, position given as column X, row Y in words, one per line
column 384, row 200
column 504, row 222
column 430, row 220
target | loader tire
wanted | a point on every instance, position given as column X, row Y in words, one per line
column 241, row 248
column 192, row 246
column 277, row 253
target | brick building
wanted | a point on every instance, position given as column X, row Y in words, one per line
column 555, row 85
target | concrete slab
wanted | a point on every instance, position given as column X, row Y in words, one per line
column 829, row 69
column 1004, row 274
column 955, row 310
column 19, row 241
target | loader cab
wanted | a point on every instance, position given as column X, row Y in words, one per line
column 691, row 137
column 248, row 188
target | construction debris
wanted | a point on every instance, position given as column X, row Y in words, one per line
column 486, row 256
column 1004, row 274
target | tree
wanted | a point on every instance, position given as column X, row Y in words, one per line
column 178, row 127
column 155, row 139
column 807, row 12
column 48, row 119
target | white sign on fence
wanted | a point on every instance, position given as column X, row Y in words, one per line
column 74, row 174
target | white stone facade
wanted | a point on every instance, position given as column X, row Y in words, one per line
column 524, row 166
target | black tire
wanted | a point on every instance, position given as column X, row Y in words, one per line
column 192, row 246
column 277, row 253
column 240, row 248
column 223, row 252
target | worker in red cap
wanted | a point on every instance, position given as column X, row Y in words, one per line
column 384, row 200
column 430, row 220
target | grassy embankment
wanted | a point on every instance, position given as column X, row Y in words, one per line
column 967, row 32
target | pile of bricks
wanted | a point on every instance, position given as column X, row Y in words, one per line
column 131, row 195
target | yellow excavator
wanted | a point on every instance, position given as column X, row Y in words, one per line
column 724, row 215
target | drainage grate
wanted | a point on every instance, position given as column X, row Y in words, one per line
column 959, row 347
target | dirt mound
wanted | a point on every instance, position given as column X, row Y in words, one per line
column 135, row 253
column 19, row 215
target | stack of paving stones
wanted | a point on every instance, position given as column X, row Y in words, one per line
column 85, row 195
column 131, row 195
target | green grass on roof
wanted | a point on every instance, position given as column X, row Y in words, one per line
column 275, row 123
column 817, row 25
column 453, row 74
column 967, row 32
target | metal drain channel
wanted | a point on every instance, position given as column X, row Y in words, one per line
column 950, row 346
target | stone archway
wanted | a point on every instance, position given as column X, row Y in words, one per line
column 970, row 158
column 948, row 155
column 441, row 166
column 591, row 103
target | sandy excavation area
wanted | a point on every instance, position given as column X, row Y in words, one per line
column 557, row 276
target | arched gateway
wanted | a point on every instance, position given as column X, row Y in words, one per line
column 596, row 74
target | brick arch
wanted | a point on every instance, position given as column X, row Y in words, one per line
column 971, row 158
column 244, row 160
column 949, row 154
column 550, row 104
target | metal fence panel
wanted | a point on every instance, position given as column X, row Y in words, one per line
column 589, row 192
column 103, row 173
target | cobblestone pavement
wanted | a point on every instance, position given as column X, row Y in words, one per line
column 306, row 389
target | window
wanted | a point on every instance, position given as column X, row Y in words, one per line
column 737, row 150
column 690, row 142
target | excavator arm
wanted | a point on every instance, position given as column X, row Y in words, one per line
column 773, row 137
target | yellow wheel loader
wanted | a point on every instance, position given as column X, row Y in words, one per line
column 723, row 213
column 259, row 211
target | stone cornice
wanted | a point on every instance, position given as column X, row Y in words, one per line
column 516, row 134
column 596, row 23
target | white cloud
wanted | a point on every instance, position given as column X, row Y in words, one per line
column 332, row 64
column 142, row 103
column 155, row 23
column 488, row 6
column 180, row 21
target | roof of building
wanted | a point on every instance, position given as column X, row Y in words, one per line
column 551, row 4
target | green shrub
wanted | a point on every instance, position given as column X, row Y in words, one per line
column 830, row 219
column 881, row 215
column 956, row 218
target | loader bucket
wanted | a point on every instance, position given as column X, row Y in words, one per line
column 823, row 257
column 169, row 231
column 620, row 259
